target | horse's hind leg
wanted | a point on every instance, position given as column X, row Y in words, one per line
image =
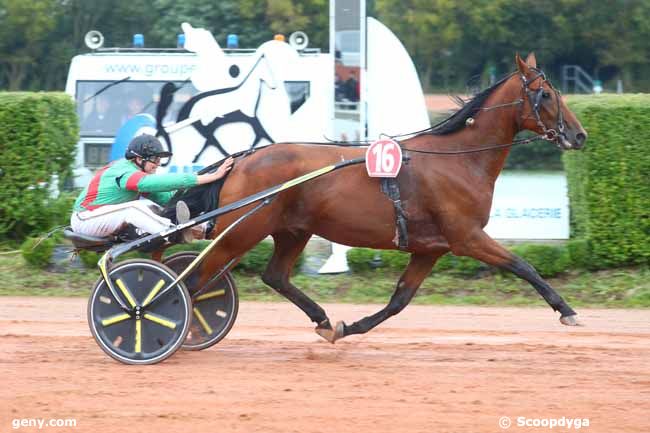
column 288, row 247
column 416, row 271
column 486, row 249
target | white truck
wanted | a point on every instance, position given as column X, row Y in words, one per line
column 204, row 102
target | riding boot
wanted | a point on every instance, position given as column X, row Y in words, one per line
column 182, row 216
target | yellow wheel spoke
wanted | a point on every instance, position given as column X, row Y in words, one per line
column 126, row 292
column 115, row 319
column 138, row 335
column 202, row 321
column 160, row 320
column 153, row 292
column 210, row 295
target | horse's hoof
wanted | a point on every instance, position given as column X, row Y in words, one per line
column 339, row 330
column 330, row 334
column 327, row 334
column 570, row 320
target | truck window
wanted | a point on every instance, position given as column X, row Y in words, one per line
column 103, row 106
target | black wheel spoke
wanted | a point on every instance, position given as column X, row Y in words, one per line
column 214, row 310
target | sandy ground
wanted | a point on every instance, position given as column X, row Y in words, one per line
column 430, row 369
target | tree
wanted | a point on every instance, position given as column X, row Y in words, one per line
column 254, row 21
column 450, row 41
column 618, row 36
column 221, row 18
column 428, row 29
column 24, row 26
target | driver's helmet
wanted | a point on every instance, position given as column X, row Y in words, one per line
column 146, row 147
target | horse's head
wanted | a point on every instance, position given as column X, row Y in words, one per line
column 544, row 110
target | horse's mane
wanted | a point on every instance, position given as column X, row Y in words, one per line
column 469, row 109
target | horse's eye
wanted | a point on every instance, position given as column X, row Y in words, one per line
column 546, row 95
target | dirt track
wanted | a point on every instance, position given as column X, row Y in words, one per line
column 430, row 369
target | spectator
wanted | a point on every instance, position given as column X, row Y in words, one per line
column 339, row 88
column 352, row 88
column 99, row 120
column 133, row 108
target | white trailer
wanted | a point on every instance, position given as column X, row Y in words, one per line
column 221, row 101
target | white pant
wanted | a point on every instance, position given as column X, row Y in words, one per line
column 109, row 219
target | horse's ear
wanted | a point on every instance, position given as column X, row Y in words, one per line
column 521, row 65
column 531, row 60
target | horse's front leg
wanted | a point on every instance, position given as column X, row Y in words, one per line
column 418, row 268
column 482, row 247
column 288, row 247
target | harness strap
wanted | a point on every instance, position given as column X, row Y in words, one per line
column 390, row 187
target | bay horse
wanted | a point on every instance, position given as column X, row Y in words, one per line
column 446, row 190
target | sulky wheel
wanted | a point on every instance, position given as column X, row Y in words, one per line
column 154, row 323
column 214, row 310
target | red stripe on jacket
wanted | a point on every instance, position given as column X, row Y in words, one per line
column 132, row 182
column 93, row 187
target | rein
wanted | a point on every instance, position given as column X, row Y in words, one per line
column 534, row 97
column 480, row 149
column 430, row 152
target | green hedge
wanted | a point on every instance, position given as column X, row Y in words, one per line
column 89, row 258
column 608, row 181
column 255, row 260
column 37, row 252
column 38, row 136
column 579, row 253
column 366, row 260
column 549, row 260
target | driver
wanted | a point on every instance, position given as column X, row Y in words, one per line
column 128, row 191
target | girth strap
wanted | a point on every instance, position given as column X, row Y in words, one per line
column 390, row 187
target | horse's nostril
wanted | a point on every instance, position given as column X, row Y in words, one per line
column 580, row 138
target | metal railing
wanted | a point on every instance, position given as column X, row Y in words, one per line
column 576, row 80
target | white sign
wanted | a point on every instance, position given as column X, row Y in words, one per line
column 530, row 206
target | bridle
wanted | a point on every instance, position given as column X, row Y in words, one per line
column 535, row 97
